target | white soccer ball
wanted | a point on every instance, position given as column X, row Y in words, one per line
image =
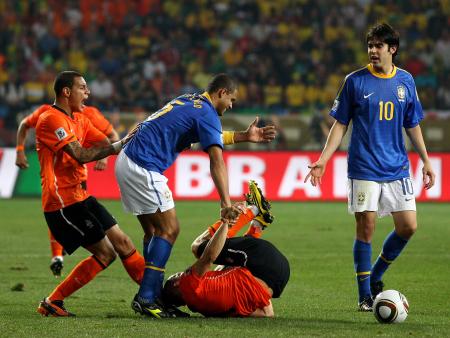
column 390, row 306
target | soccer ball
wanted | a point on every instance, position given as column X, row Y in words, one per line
column 390, row 306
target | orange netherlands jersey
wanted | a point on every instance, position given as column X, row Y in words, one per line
column 31, row 120
column 98, row 120
column 92, row 113
column 231, row 292
column 61, row 175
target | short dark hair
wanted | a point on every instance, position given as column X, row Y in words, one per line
column 64, row 79
column 385, row 33
column 171, row 294
column 221, row 81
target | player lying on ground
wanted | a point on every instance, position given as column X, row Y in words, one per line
column 253, row 270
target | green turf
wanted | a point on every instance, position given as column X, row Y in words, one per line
column 319, row 300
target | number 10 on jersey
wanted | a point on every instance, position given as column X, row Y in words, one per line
column 386, row 110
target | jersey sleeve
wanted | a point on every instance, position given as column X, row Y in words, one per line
column 209, row 130
column 93, row 135
column 414, row 112
column 54, row 131
column 99, row 121
column 341, row 109
column 32, row 119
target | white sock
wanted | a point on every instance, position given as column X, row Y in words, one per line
column 254, row 209
column 57, row 258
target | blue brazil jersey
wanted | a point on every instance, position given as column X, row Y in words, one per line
column 379, row 106
column 188, row 119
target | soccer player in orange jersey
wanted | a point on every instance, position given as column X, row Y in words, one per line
column 74, row 217
column 30, row 121
column 253, row 271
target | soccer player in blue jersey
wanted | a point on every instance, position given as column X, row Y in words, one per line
column 380, row 99
column 155, row 145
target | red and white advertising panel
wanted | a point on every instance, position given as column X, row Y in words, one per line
column 279, row 174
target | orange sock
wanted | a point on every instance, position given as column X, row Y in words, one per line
column 56, row 248
column 242, row 220
column 254, row 231
column 82, row 274
column 134, row 263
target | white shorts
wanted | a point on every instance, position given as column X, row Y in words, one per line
column 142, row 191
column 382, row 197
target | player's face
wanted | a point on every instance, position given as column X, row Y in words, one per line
column 380, row 54
column 78, row 94
column 226, row 100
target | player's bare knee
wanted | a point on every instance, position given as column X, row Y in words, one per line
column 123, row 245
column 408, row 231
column 106, row 256
column 169, row 231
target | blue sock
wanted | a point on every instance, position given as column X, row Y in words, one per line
column 392, row 246
column 362, row 254
column 156, row 256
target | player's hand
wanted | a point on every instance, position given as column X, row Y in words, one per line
column 260, row 135
column 131, row 134
column 242, row 206
column 316, row 173
column 428, row 175
column 21, row 160
column 229, row 214
column 101, row 165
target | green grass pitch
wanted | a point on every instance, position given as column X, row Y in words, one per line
column 319, row 300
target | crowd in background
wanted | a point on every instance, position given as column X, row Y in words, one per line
column 289, row 56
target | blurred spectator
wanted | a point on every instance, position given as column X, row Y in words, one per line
column 102, row 90
column 285, row 54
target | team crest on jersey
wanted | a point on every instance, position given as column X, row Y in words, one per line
column 60, row 133
column 401, row 93
column 335, row 105
column 361, row 198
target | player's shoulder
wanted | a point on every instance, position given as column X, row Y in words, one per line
column 51, row 113
column 404, row 74
column 42, row 109
column 358, row 73
column 77, row 116
column 90, row 111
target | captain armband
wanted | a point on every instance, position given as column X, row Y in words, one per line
column 228, row 137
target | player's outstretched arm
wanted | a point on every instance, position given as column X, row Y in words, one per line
column 219, row 175
column 334, row 139
column 253, row 134
column 21, row 158
column 212, row 250
column 85, row 155
column 416, row 137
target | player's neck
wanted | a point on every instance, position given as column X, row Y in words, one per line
column 64, row 107
column 385, row 69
